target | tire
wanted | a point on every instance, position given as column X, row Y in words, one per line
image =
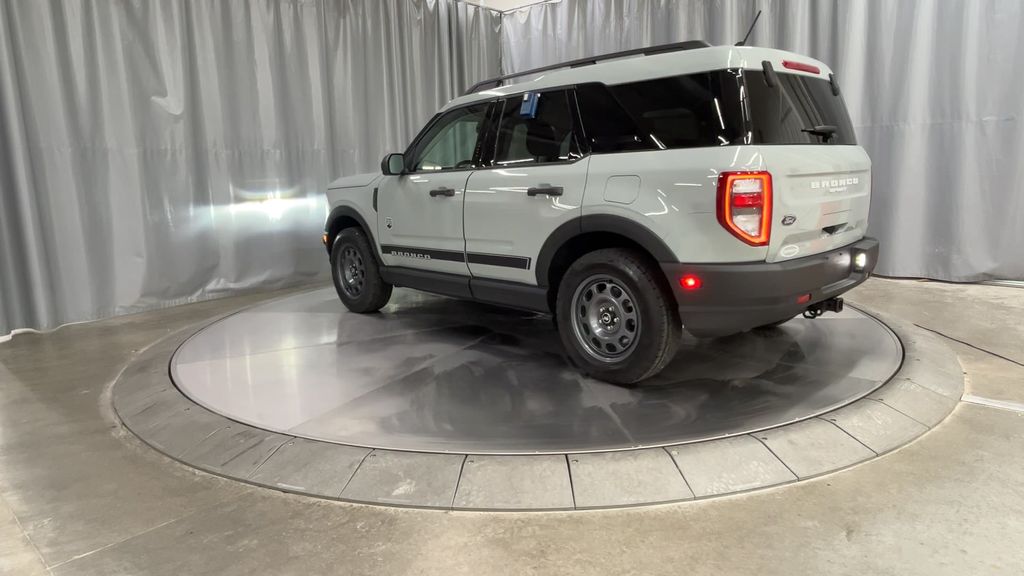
column 356, row 273
column 611, row 294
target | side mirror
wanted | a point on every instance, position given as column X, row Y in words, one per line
column 393, row 164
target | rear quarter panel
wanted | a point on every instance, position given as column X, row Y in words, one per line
column 675, row 198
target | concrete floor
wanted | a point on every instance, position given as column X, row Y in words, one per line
column 82, row 496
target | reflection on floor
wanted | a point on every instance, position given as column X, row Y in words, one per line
column 435, row 374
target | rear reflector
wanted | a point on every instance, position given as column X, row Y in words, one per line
column 690, row 282
column 803, row 299
column 801, row 67
column 745, row 205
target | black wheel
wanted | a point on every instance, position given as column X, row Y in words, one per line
column 617, row 320
column 356, row 275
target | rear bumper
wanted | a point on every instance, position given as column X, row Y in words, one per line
column 736, row 297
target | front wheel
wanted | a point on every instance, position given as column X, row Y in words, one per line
column 616, row 320
column 356, row 274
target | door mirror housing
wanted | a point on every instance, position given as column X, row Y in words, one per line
column 393, row 164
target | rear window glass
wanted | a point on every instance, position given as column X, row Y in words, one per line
column 789, row 112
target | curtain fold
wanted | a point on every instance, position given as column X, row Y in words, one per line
column 933, row 87
column 154, row 153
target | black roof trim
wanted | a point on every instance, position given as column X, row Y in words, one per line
column 663, row 48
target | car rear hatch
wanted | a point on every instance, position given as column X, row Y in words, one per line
column 820, row 198
column 821, row 180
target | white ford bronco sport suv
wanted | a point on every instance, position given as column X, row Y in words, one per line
column 711, row 189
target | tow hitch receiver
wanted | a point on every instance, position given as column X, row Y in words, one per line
column 830, row 305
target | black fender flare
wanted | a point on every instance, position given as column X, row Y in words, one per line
column 340, row 212
column 611, row 223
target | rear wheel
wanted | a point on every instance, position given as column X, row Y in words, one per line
column 356, row 274
column 616, row 320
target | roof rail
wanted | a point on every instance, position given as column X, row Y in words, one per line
column 661, row 49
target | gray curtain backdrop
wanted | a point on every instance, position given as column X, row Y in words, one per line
column 935, row 89
column 153, row 153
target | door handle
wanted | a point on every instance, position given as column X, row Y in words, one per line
column 442, row 192
column 544, row 189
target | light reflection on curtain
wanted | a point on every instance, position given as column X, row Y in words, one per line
column 153, row 153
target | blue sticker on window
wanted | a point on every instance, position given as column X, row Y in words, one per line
column 528, row 109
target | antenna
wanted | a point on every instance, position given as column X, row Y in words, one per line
column 752, row 24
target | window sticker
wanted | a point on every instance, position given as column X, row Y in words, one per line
column 528, row 109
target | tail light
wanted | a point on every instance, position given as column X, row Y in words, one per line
column 745, row 205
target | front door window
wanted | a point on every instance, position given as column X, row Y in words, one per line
column 451, row 142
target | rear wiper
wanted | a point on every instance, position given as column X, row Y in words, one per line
column 825, row 131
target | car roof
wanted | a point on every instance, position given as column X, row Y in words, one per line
column 638, row 68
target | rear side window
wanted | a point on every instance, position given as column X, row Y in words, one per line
column 536, row 132
column 719, row 108
column 790, row 112
column 606, row 124
column 686, row 111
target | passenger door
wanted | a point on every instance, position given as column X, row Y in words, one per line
column 532, row 181
column 419, row 219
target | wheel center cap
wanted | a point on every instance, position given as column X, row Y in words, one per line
column 607, row 317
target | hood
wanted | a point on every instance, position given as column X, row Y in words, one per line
column 356, row 181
